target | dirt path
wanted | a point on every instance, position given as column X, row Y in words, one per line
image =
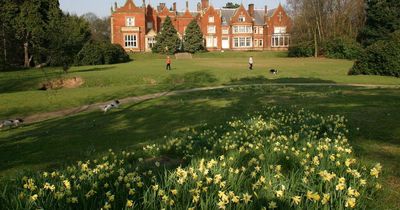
column 97, row 106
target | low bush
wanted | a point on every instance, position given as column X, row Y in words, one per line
column 272, row 159
column 342, row 48
column 303, row 49
column 99, row 53
column 380, row 58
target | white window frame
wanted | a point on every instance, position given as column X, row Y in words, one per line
column 131, row 41
column 243, row 42
column 211, row 41
column 261, row 30
column 151, row 41
column 225, row 31
column 211, row 29
column 280, row 40
column 242, row 29
column 130, row 21
column 211, row 19
column 255, row 30
column 261, row 43
column 242, row 19
column 280, row 30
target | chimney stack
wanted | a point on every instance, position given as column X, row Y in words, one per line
column 251, row 10
column 162, row 5
column 187, row 5
column 266, row 10
column 199, row 7
column 205, row 4
column 174, row 6
column 116, row 5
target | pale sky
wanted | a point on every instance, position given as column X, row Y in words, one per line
column 102, row 7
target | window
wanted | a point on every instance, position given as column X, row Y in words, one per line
column 130, row 41
column 260, row 43
column 211, row 41
column 256, row 30
column 151, row 41
column 130, row 21
column 225, row 31
column 279, row 30
column 256, row 43
column 242, row 42
column 149, row 25
column 211, row 29
column 242, row 29
column 211, row 19
column 261, row 31
column 242, row 19
column 280, row 40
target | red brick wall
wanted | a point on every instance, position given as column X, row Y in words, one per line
column 142, row 16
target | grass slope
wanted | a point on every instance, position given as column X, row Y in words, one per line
column 373, row 115
column 146, row 74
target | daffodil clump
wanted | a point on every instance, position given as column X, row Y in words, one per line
column 268, row 160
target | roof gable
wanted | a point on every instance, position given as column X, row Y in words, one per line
column 129, row 7
column 241, row 11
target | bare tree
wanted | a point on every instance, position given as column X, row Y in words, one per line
column 320, row 20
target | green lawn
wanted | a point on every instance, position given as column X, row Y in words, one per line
column 373, row 113
column 146, row 74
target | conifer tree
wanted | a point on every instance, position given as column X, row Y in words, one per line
column 193, row 40
column 167, row 41
column 383, row 18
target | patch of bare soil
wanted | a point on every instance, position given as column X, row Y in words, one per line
column 73, row 82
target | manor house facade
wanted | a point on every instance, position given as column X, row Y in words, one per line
column 135, row 27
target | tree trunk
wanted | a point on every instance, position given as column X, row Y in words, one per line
column 315, row 43
column 4, row 44
column 26, row 53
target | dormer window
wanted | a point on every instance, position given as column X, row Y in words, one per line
column 242, row 19
column 211, row 19
column 130, row 21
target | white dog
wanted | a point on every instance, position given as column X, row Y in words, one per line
column 110, row 106
column 11, row 123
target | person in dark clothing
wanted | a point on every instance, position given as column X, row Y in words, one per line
column 168, row 67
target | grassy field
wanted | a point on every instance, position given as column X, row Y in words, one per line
column 373, row 113
column 146, row 74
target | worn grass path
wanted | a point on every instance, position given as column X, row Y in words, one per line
column 137, row 99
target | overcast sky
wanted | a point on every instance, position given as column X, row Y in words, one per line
column 102, row 7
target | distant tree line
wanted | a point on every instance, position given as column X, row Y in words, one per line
column 37, row 33
column 365, row 30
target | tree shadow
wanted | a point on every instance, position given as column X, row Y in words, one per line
column 89, row 135
column 264, row 80
column 91, row 69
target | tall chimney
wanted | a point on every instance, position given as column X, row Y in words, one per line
column 251, row 10
column 266, row 10
column 199, row 7
column 204, row 4
column 162, row 5
column 116, row 5
column 187, row 5
column 174, row 6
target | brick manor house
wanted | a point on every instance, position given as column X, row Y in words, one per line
column 135, row 27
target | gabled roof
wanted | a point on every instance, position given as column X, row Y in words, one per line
column 227, row 14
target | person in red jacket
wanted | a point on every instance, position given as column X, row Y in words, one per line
column 168, row 67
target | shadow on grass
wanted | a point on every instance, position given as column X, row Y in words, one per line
column 89, row 135
column 94, row 69
column 264, row 80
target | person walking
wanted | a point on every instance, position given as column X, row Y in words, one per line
column 251, row 63
column 168, row 67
